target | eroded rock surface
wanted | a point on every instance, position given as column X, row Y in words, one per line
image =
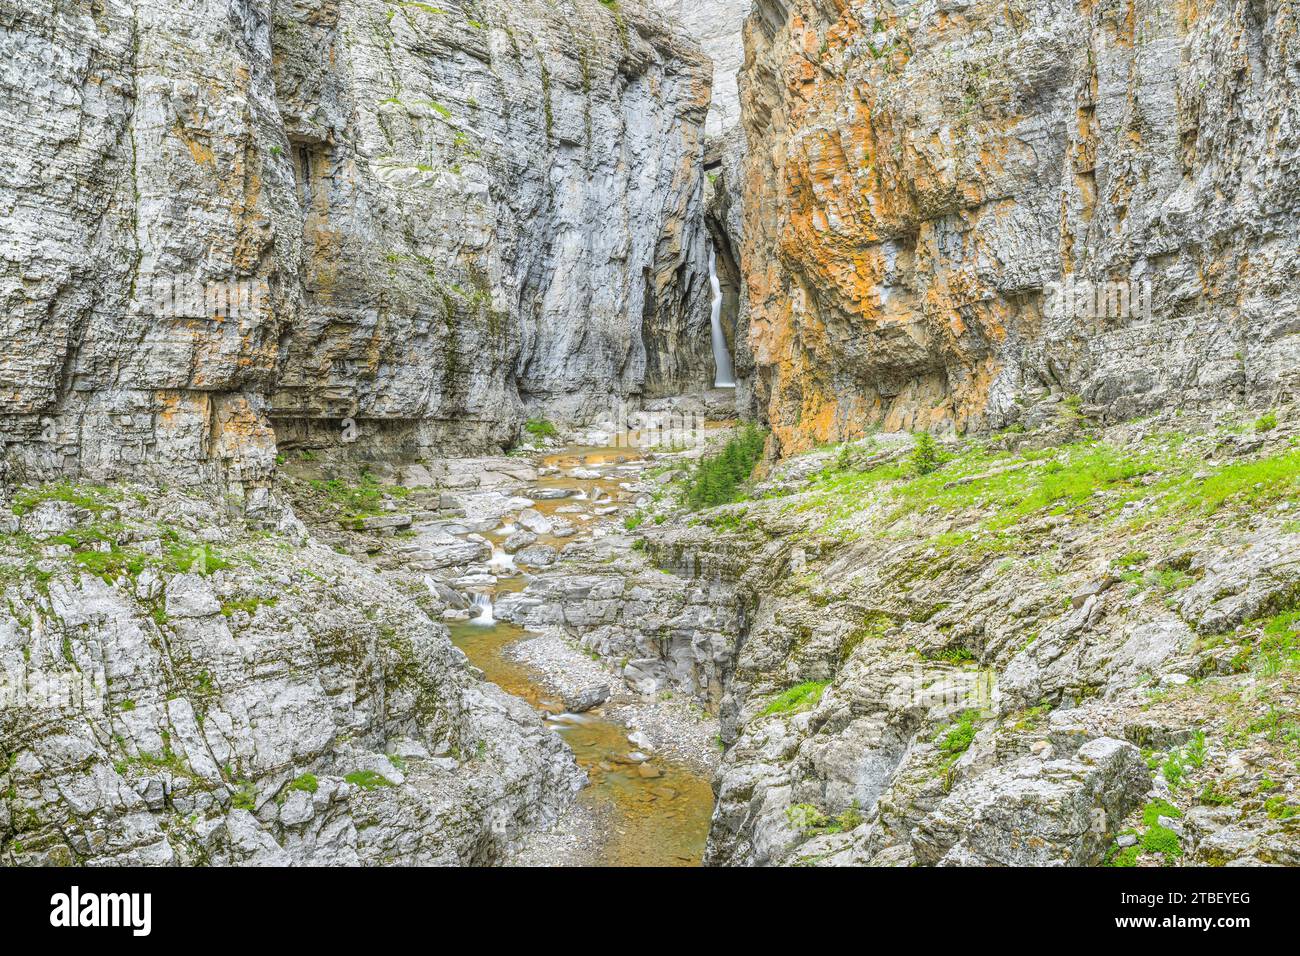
column 1044, row 652
column 920, row 175
column 429, row 219
column 194, row 692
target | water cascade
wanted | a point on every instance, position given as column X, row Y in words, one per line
column 483, row 602
column 726, row 376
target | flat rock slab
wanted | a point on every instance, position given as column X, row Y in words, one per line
column 585, row 698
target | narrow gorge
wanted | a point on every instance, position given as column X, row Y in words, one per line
column 650, row 433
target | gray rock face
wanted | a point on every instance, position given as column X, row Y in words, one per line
column 901, row 685
column 289, row 706
column 1036, row 813
column 669, row 631
column 425, row 220
column 536, row 556
column 717, row 26
column 935, row 193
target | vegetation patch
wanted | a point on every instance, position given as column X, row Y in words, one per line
column 92, row 498
column 540, row 428
column 250, row 605
column 362, row 499
column 716, row 479
column 799, row 698
column 245, row 798
column 812, row 822
column 368, row 779
column 954, row 739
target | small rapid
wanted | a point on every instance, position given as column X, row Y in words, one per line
column 660, row 808
column 483, row 602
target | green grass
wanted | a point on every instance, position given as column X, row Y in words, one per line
column 1279, row 647
column 799, row 698
column 1248, row 484
column 716, row 479
column 368, row 779
column 245, row 798
column 306, row 783
column 195, row 559
column 1266, row 422
column 1276, row 808
column 111, row 565
column 92, row 498
column 540, row 428
column 360, row 499
column 954, row 739
column 999, row 490
column 229, row 608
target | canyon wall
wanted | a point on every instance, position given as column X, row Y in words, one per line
column 247, row 221
column 717, row 25
column 935, row 191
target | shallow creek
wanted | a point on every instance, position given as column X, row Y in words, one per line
column 657, row 810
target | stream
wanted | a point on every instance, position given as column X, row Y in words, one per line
column 656, row 810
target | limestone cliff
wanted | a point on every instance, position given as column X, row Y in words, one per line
column 920, row 175
column 236, row 222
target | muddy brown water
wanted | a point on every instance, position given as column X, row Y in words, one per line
column 659, row 809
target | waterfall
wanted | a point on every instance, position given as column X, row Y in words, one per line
column 726, row 377
column 483, row 602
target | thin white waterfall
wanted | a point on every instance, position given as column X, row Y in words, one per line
column 484, row 603
column 726, row 375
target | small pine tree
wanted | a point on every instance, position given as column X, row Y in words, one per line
column 925, row 456
column 717, row 478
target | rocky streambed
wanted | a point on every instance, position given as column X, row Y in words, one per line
column 502, row 551
column 648, row 760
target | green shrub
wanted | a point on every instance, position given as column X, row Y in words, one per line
column 850, row 819
column 1266, row 422
column 805, row 817
column 1212, row 797
column 810, row 820
column 306, row 783
column 245, row 798
column 925, row 456
column 540, row 428
column 716, row 479
column 362, row 499
column 955, row 738
column 1162, row 840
